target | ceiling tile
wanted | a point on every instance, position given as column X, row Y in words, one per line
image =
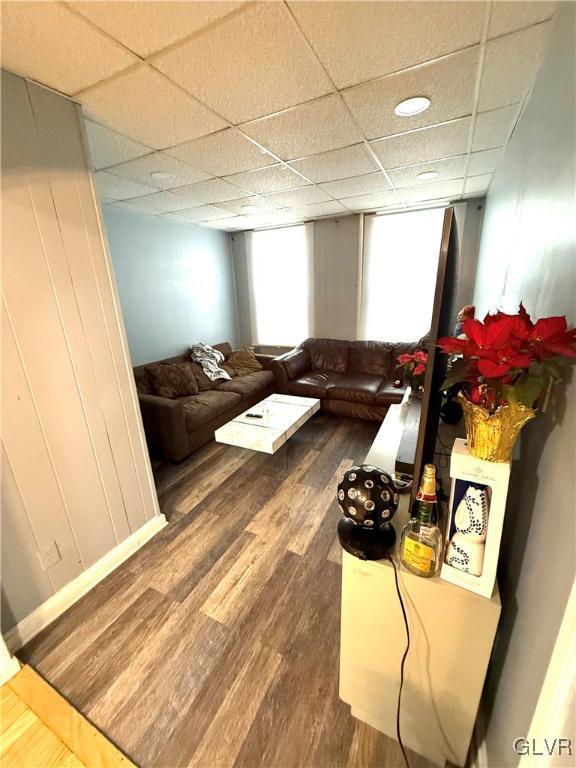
column 110, row 148
column 160, row 202
column 248, row 206
column 297, row 197
column 510, row 66
column 263, row 65
column 451, row 168
column 448, row 83
column 360, row 40
column 484, row 162
column 120, row 189
column 447, row 189
column 322, row 209
column 142, row 168
column 222, row 153
column 337, row 164
column 146, row 106
column 492, row 129
column 212, row 191
column 370, row 202
column 358, row 185
column 150, row 26
column 49, row 43
column 510, row 15
column 234, row 223
column 275, row 178
column 477, row 184
column 433, row 143
column 319, row 126
column 201, row 213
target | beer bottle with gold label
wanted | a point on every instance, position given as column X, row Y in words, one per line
column 422, row 541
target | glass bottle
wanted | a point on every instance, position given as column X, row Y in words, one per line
column 422, row 541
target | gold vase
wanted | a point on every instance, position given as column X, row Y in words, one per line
column 492, row 436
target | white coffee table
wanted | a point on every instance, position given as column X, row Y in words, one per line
column 282, row 416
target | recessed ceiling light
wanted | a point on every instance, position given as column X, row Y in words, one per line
column 427, row 175
column 413, row 106
column 161, row 175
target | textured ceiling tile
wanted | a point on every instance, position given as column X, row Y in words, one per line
column 448, row 189
column 201, row 213
column 452, row 168
column 477, row 184
column 510, row 66
column 322, row 209
column 250, row 65
column 370, row 202
column 426, row 144
column 359, row 185
column 492, row 129
column 232, row 224
column 337, row 164
column 160, row 202
column 275, row 178
column 249, row 205
column 212, row 191
column 510, row 15
column 360, row 40
column 110, row 148
column 294, row 198
column 222, row 153
column 448, row 83
column 158, row 162
column 484, row 162
column 146, row 106
column 306, row 130
column 49, row 43
column 114, row 187
column 147, row 27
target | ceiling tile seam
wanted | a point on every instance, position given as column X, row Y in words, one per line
column 477, row 87
column 376, row 159
column 110, row 79
column 102, row 32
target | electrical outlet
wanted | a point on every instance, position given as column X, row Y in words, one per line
column 49, row 555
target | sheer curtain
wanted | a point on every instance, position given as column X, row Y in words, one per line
column 281, row 285
column 399, row 267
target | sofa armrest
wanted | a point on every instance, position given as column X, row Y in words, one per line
column 264, row 360
column 289, row 366
column 165, row 426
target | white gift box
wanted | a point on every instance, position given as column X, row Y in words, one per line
column 466, row 469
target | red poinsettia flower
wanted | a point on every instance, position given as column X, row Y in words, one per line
column 420, row 368
column 549, row 336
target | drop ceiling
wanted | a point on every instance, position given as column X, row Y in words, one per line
column 236, row 115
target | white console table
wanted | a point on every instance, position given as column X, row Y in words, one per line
column 452, row 632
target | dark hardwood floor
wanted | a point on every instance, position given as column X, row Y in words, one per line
column 217, row 643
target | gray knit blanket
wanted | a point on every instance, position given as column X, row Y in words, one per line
column 210, row 359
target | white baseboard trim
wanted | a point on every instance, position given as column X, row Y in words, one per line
column 9, row 666
column 45, row 614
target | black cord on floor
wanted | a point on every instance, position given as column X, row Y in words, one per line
column 401, row 663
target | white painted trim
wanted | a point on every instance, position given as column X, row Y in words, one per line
column 9, row 664
column 553, row 708
column 55, row 606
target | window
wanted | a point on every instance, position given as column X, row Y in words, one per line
column 281, row 290
column 399, row 274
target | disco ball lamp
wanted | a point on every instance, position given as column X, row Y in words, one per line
column 368, row 498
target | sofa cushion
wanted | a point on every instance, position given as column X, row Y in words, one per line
column 313, row 384
column 172, row 380
column 206, row 406
column 204, row 383
column 143, row 385
column 328, row 354
column 354, row 387
column 248, row 386
column 388, row 394
column 373, row 357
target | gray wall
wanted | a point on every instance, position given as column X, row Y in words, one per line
column 176, row 283
column 528, row 252
column 76, row 477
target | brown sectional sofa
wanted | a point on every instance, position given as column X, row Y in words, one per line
column 175, row 428
column 351, row 378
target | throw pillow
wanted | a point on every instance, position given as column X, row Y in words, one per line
column 172, row 380
column 204, row 383
column 242, row 362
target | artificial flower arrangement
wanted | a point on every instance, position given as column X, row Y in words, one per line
column 505, row 365
column 414, row 364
